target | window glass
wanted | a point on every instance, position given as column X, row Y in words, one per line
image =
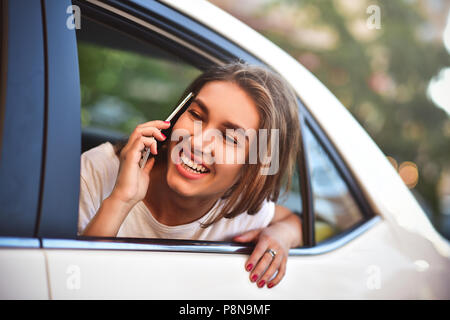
column 292, row 199
column 334, row 205
column 124, row 82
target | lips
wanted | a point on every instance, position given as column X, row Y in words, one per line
column 189, row 169
column 193, row 162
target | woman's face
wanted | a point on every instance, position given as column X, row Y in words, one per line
column 219, row 106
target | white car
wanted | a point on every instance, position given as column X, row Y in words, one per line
column 365, row 236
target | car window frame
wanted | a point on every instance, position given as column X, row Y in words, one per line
column 3, row 63
column 22, row 126
column 223, row 48
column 60, row 187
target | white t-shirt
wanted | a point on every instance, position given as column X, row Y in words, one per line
column 99, row 169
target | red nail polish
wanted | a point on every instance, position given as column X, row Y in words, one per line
column 163, row 135
column 254, row 277
column 261, row 283
column 167, row 122
column 270, row 285
column 249, row 267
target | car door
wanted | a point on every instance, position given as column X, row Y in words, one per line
column 22, row 90
column 164, row 49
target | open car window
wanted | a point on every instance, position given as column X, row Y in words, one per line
column 126, row 81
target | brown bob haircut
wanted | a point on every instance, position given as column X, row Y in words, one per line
column 278, row 109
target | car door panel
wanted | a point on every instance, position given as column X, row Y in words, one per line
column 23, row 273
column 361, row 268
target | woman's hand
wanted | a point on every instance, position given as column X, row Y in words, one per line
column 132, row 181
column 282, row 234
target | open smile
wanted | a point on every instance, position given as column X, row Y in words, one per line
column 189, row 169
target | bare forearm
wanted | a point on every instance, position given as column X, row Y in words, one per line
column 109, row 218
column 292, row 229
column 290, row 225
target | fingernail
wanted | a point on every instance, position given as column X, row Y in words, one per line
column 254, row 277
column 249, row 267
column 270, row 285
column 261, row 283
column 167, row 122
column 163, row 135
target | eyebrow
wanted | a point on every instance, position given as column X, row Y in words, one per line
column 205, row 109
column 226, row 124
column 201, row 105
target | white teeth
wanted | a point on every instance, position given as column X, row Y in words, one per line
column 191, row 165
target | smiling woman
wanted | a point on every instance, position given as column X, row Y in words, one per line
column 202, row 184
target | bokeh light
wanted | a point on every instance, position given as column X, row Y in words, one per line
column 409, row 173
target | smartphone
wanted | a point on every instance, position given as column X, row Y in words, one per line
column 174, row 115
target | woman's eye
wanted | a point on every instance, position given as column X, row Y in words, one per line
column 231, row 139
column 195, row 114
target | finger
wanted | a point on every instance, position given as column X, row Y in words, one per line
column 155, row 123
column 275, row 264
column 135, row 135
column 257, row 253
column 147, row 132
column 260, row 269
column 149, row 165
column 152, row 128
column 247, row 236
column 280, row 274
column 127, row 147
column 151, row 143
column 134, row 153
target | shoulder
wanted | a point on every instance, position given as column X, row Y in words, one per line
column 99, row 168
column 101, row 152
column 101, row 160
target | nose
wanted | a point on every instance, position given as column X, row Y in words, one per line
column 203, row 146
